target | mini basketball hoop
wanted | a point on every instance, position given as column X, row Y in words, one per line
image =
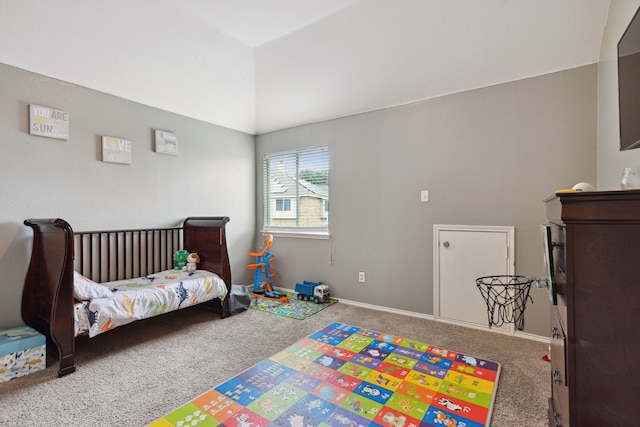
column 506, row 298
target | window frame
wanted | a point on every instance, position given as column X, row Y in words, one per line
column 269, row 211
column 285, row 205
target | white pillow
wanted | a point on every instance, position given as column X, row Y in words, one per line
column 87, row 289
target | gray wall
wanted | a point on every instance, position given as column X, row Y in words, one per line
column 611, row 160
column 488, row 157
column 214, row 173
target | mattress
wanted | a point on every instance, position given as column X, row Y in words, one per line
column 118, row 303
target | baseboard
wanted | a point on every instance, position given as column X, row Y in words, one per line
column 515, row 333
column 532, row 337
column 519, row 334
column 386, row 309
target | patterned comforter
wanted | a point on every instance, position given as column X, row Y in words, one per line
column 117, row 303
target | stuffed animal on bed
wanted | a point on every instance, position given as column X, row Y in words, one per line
column 192, row 261
column 180, row 259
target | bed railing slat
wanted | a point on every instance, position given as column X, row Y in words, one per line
column 106, row 256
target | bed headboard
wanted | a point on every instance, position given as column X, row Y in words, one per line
column 207, row 236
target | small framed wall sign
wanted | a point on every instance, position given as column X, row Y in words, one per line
column 45, row 121
column 116, row 150
column 166, row 142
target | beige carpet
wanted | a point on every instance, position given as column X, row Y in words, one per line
column 137, row 373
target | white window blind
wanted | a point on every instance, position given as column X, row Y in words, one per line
column 296, row 191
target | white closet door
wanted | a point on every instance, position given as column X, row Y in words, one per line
column 463, row 254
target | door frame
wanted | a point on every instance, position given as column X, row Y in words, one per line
column 437, row 228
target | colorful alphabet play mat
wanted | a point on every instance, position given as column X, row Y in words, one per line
column 344, row 375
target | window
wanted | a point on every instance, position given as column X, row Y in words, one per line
column 283, row 205
column 296, row 191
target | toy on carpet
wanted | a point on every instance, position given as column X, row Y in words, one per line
column 315, row 291
column 264, row 273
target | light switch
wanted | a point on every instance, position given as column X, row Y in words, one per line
column 424, row 196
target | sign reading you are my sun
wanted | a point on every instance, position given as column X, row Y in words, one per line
column 45, row 121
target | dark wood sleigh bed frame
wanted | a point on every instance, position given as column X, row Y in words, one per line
column 104, row 256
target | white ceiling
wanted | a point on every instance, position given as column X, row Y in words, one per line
column 255, row 22
column 262, row 65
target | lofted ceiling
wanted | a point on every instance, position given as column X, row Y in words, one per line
column 263, row 65
column 256, row 22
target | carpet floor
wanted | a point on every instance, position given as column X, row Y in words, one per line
column 346, row 375
column 135, row 374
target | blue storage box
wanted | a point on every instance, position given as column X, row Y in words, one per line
column 22, row 350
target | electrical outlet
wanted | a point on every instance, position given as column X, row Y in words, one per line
column 361, row 277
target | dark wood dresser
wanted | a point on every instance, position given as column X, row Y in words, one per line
column 592, row 251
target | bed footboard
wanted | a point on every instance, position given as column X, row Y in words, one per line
column 47, row 297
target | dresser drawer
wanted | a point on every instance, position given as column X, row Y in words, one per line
column 555, row 417
column 559, row 406
column 558, row 342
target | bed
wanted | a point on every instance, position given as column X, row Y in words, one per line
column 87, row 283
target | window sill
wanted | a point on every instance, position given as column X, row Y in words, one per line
column 298, row 234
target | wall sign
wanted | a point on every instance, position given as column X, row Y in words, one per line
column 45, row 121
column 166, row 142
column 116, row 150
